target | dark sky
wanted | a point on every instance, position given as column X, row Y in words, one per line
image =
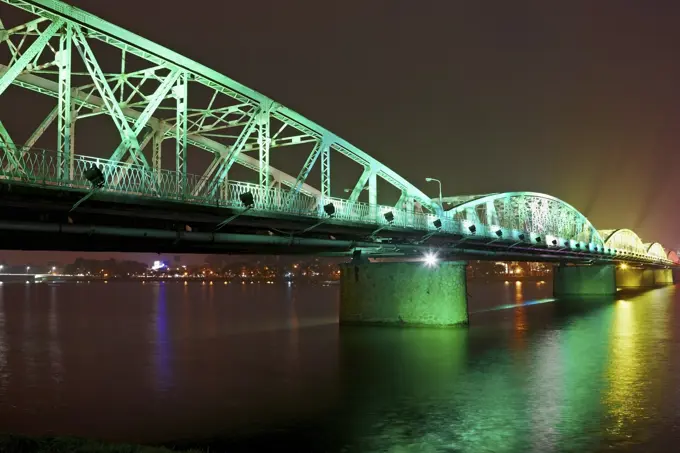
column 577, row 99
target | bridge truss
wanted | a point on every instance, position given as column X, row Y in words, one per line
column 152, row 95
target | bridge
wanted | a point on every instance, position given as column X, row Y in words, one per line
column 129, row 197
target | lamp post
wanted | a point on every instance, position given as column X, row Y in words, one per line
column 441, row 204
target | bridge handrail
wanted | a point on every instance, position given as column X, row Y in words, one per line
column 45, row 168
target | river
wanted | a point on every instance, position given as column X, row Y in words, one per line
column 263, row 367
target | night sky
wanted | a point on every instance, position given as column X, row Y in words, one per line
column 577, row 99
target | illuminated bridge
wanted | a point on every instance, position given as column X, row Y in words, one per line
column 168, row 111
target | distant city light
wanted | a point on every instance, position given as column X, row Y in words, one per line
column 158, row 265
column 430, row 259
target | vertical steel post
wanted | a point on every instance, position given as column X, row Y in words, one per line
column 65, row 112
column 181, row 94
column 264, row 142
column 157, row 154
column 326, row 173
column 373, row 195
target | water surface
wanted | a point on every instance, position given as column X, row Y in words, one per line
column 250, row 367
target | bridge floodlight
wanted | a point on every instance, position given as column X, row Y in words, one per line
column 538, row 239
column 95, row 176
column 554, row 242
column 473, row 229
column 437, row 224
column 430, row 259
column 389, row 216
column 329, row 209
column 499, row 233
column 247, row 199
column 520, row 237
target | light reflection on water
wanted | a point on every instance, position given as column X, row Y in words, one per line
column 207, row 364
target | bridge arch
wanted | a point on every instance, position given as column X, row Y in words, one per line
column 673, row 256
column 656, row 250
column 529, row 212
column 624, row 240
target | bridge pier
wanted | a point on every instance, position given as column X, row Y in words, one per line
column 591, row 280
column 404, row 294
column 631, row 277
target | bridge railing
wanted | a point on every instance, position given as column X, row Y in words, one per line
column 45, row 168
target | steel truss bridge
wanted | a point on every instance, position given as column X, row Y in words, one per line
column 158, row 99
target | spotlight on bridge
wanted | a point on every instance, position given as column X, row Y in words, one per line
column 473, row 229
column 566, row 244
column 520, row 237
column 389, row 216
column 95, row 176
column 329, row 209
column 430, row 259
column 554, row 242
column 499, row 233
column 577, row 245
column 247, row 199
column 538, row 239
column 437, row 224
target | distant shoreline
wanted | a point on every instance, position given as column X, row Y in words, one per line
column 12, row 443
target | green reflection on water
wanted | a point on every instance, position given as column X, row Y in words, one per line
column 569, row 376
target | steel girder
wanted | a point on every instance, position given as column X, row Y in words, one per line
column 656, row 249
column 543, row 216
column 155, row 103
column 200, row 120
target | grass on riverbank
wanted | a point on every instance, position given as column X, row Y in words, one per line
column 25, row 444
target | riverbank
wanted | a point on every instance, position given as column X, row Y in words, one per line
column 25, row 444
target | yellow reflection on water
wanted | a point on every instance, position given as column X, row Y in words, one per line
column 624, row 370
column 520, row 316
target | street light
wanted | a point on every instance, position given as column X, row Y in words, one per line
column 346, row 190
column 28, row 268
column 441, row 204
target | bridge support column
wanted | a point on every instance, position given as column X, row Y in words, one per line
column 593, row 280
column 407, row 294
column 631, row 277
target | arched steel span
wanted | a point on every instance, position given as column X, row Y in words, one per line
column 630, row 244
column 155, row 95
column 544, row 216
column 656, row 249
column 227, row 119
column 625, row 240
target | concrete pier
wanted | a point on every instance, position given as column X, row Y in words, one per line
column 406, row 294
column 631, row 277
column 593, row 280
